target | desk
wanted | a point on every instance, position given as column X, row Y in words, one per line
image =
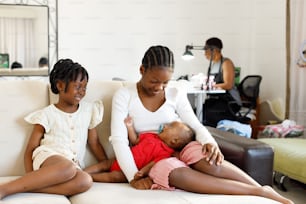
column 200, row 98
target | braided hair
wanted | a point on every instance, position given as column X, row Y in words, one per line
column 66, row 70
column 160, row 56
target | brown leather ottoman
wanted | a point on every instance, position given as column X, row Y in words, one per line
column 252, row 156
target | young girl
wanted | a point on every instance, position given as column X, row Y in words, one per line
column 54, row 154
column 147, row 148
column 150, row 103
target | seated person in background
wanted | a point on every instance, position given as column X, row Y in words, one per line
column 16, row 65
column 147, row 148
column 223, row 70
column 43, row 62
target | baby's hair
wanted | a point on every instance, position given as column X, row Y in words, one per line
column 189, row 136
column 190, row 133
column 158, row 56
column 66, row 70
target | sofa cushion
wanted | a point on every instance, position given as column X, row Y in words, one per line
column 32, row 198
column 123, row 193
column 18, row 98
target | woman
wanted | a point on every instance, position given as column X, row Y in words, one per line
column 150, row 103
column 216, row 106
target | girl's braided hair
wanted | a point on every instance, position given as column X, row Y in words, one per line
column 66, row 70
column 160, row 56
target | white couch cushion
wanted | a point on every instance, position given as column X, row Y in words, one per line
column 32, row 198
column 123, row 193
column 18, row 98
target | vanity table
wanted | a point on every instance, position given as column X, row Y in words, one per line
column 199, row 99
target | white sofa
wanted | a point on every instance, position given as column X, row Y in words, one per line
column 18, row 98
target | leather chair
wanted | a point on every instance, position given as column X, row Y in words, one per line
column 252, row 156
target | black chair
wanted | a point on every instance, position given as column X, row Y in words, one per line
column 249, row 91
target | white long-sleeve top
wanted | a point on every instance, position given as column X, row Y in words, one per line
column 127, row 102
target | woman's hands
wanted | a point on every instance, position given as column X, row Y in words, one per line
column 212, row 154
column 142, row 184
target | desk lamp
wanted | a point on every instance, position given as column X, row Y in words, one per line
column 188, row 56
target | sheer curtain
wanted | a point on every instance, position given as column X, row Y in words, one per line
column 297, row 79
column 17, row 39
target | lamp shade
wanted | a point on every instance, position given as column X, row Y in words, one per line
column 187, row 55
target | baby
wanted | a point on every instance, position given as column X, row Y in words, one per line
column 147, row 149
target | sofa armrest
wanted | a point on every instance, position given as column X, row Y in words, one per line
column 252, row 156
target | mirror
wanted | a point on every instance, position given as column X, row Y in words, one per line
column 28, row 33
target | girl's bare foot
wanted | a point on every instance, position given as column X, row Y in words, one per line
column 269, row 192
column 2, row 195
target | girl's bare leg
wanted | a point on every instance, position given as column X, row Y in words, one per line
column 100, row 172
column 81, row 182
column 110, row 177
column 225, row 170
column 194, row 181
column 102, row 166
column 56, row 175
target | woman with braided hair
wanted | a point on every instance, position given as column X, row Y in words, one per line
column 200, row 166
column 54, row 154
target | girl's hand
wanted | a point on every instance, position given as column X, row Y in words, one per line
column 142, row 184
column 212, row 154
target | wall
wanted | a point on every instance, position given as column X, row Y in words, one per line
column 109, row 37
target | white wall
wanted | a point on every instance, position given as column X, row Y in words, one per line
column 109, row 37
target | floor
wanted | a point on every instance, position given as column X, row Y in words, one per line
column 296, row 191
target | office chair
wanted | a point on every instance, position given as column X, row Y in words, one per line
column 249, row 91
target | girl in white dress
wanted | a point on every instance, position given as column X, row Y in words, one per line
column 54, row 155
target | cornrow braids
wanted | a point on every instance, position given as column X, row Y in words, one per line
column 66, row 70
column 158, row 56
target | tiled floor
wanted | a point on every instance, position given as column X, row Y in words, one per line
column 296, row 191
